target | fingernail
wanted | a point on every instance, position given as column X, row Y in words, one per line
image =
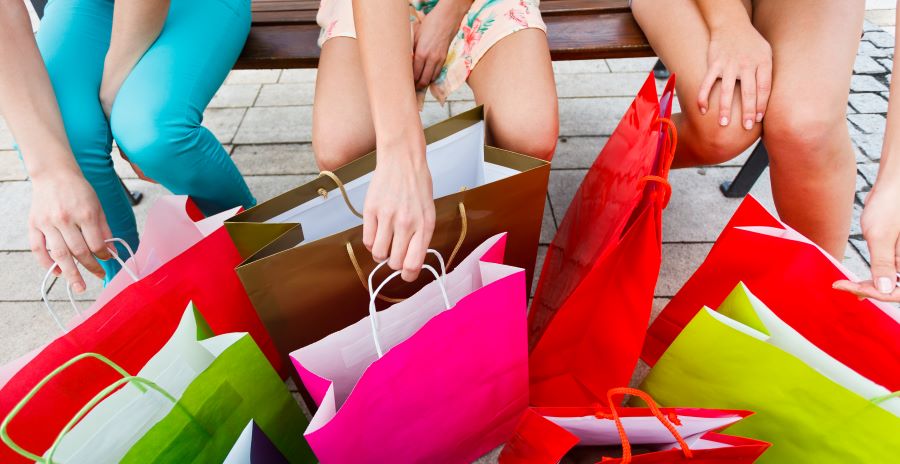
column 885, row 285
column 723, row 121
column 702, row 110
column 79, row 288
column 759, row 117
column 748, row 124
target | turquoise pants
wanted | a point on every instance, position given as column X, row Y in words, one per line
column 157, row 115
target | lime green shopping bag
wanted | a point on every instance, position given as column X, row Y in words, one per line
column 808, row 405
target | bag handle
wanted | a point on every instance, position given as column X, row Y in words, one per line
column 668, row 422
column 662, row 176
column 324, row 193
column 889, row 396
column 373, row 315
column 140, row 383
column 55, row 265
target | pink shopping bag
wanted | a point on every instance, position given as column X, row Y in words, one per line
column 453, row 378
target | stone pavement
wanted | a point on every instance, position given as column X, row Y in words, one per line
column 264, row 118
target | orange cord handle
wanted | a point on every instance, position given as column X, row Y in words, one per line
column 668, row 420
column 662, row 176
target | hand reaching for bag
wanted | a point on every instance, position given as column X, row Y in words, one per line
column 398, row 218
column 881, row 229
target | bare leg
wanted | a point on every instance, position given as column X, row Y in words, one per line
column 679, row 35
column 342, row 122
column 522, row 114
column 814, row 45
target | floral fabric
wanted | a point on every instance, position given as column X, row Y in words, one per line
column 486, row 23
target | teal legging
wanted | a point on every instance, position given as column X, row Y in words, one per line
column 156, row 117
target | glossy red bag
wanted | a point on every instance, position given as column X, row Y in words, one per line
column 613, row 434
column 593, row 300
column 131, row 327
column 794, row 277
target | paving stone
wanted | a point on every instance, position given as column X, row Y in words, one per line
column 223, row 122
column 880, row 39
column 548, row 224
column 14, row 208
column 235, row 96
column 562, row 188
column 276, row 125
column 890, row 30
column 850, row 110
column 679, row 262
column 867, row 65
column 868, row 48
column 869, row 171
column 861, row 197
column 600, row 85
column 868, row 103
column 641, row 371
column 253, row 76
column 581, row 66
column 456, row 107
column 6, row 138
column 868, row 123
column 11, row 167
column 631, row 64
column 866, row 83
column 286, row 94
column 861, row 247
column 698, row 211
column 278, row 159
column 870, row 144
column 857, row 265
column 26, row 327
column 298, row 75
column 21, row 277
column 266, row 187
column 433, row 113
column 887, row 63
column 538, row 265
column 887, row 17
column 490, row 458
column 577, row 152
column 855, row 228
column 591, row 116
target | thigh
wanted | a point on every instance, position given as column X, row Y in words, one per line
column 342, row 122
column 514, row 81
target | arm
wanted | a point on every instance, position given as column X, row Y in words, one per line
column 433, row 37
column 736, row 52
column 136, row 25
column 881, row 217
column 66, row 216
column 398, row 217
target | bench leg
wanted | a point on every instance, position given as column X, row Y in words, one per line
column 748, row 175
column 660, row 71
column 133, row 197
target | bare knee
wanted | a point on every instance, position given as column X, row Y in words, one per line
column 334, row 148
column 532, row 135
column 806, row 136
column 713, row 144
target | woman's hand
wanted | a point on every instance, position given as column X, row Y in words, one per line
column 738, row 53
column 67, row 224
column 881, row 229
column 398, row 218
column 431, row 40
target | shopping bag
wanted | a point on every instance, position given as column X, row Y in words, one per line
column 595, row 294
column 439, row 377
column 307, row 279
column 589, row 434
column 133, row 325
column 794, row 277
column 254, row 447
column 811, row 407
column 188, row 404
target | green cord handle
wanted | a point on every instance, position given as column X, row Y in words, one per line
column 882, row 399
column 139, row 382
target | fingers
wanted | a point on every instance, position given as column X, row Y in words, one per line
column 80, row 250
column 712, row 75
column 39, row 247
column 748, row 99
column 415, row 256
column 763, row 88
column 425, row 77
column 727, row 94
column 370, row 225
column 60, row 254
column 384, row 234
column 402, row 234
column 419, row 63
column 95, row 234
column 867, row 290
column 883, row 249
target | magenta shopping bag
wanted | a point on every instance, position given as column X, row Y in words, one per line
column 443, row 379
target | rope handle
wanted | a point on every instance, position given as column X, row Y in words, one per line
column 140, row 383
column 340, row 185
column 46, row 300
column 662, row 176
column 366, row 283
column 668, row 422
column 889, row 396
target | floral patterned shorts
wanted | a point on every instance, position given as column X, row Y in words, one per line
column 486, row 23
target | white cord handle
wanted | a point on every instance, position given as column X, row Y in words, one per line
column 373, row 314
column 383, row 263
column 55, row 265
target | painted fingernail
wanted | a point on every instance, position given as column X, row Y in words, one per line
column 723, row 121
column 79, row 288
column 885, row 285
column 759, row 117
column 748, row 124
column 702, row 110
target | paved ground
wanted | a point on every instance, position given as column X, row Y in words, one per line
column 264, row 118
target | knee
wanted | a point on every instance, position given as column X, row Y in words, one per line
column 333, row 148
column 805, row 136
column 150, row 139
column 714, row 144
column 532, row 135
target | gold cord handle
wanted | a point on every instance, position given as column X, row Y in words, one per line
column 340, row 185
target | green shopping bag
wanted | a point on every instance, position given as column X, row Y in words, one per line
column 808, row 405
column 189, row 403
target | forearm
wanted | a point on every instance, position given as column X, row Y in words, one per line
column 889, row 170
column 723, row 14
column 136, row 25
column 27, row 100
column 385, row 49
column 455, row 9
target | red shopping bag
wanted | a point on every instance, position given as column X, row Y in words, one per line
column 794, row 277
column 131, row 327
column 613, row 434
column 595, row 294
